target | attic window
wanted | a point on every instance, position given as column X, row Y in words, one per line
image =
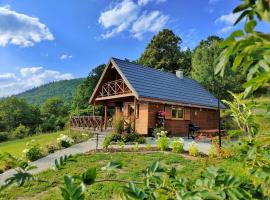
column 177, row 113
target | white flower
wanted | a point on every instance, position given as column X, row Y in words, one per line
column 65, row 138
column 25, row 151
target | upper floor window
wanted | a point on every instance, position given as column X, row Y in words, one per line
column 177, row 113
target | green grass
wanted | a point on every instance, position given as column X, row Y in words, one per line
column 133, row 166
column 15, row 147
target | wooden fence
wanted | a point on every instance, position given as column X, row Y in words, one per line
column 87, row 122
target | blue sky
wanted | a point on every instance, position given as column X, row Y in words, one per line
column 47, row 40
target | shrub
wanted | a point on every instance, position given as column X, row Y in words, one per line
column 33, row 151
column 178, row 145
column 148, row 146
column 121, row 145
column 141, row 140
column 51, row 148
column 212, row 152
column 136, row 146
column 107, row 141
column 162, row 141
column 21, row 131
column 130, row 137
column 193, row 149
column 118, row 124
column 64, row 141
column 4, row 136
column 157, row 131
column 77, row 136
column 116, row 137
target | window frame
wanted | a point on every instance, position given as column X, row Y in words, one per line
column 177, row 109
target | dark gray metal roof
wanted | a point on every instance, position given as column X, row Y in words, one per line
column 152, row 83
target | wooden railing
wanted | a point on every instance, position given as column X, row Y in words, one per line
column 112, row 88
column 86, row 122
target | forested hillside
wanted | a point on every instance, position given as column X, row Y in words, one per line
column 64, row 89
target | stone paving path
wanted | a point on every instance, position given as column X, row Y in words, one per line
column 48, row 161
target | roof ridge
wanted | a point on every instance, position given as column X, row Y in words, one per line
column 147, row 67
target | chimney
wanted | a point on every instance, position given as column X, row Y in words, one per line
column 179, row 73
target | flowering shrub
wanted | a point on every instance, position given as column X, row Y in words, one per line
column 64, row 141
column 51, row 148
column 33, row 151
column 148, row 146
column 107, row 141
column 136, row 146
column 212, row 152
column 193, row 149
column 178, row 145
column 162, row 141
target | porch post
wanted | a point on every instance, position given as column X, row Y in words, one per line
column 105, row 117
column 94, row 109
column 135, row 113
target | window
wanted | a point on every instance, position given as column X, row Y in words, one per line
column 177, row 113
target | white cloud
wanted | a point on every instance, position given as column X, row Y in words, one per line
column 20, row 29
column 119, row 17
column 151, row 22
column 25, row 72
column 227, row 19
column 144, row 2
column 225, row 29
column 28, row 78
column 7, row 77
column 65, row 56
column 128, row 16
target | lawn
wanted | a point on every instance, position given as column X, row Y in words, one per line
column 133, row 166
column 15, row 147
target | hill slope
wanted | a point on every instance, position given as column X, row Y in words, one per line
column 64, row 89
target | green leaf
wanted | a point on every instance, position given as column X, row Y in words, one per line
column 237, row 62
column 237, row 33
column 89, row 176
column 243, row 14
column 249, row 26
column 241, row 7
column 112, row 166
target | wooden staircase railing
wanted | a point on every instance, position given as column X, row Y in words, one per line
column 87, row 122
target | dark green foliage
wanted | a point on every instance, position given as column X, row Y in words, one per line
column 20, row 132
column 54, row 114
column 126, row 138
column 4, row 136
column 60, row 164
column 89, row 176
column 248, row 49
column 22, row 167
column 64, row 89
column 74, row 187
column 71, row 190
column 15, row 111
column 112, row 166
column 215, row 183
column 85, row 90
column 116, row 137
column 203, row 65
column 131, row 137
column 163, row 53
column 33, row 152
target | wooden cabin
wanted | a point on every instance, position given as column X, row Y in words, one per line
column 147, row 97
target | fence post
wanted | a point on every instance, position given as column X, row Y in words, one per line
column 97, row 142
